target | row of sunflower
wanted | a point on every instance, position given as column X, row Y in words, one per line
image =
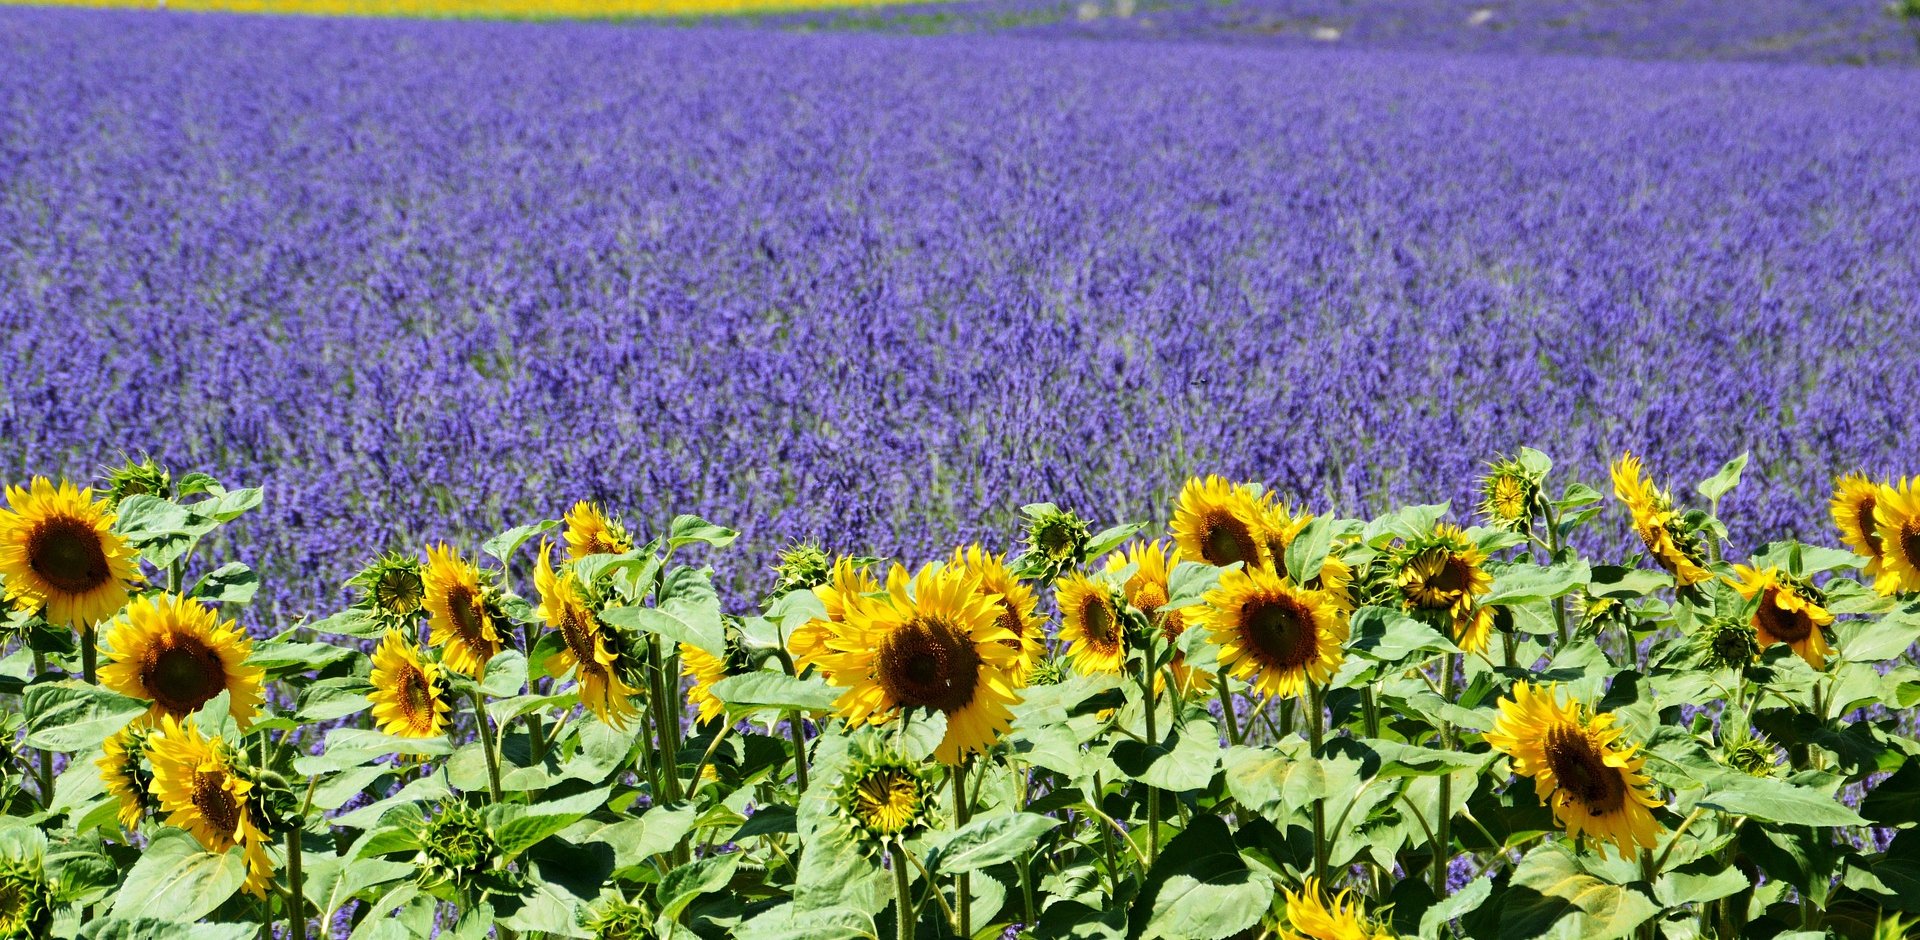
column 1269, row 722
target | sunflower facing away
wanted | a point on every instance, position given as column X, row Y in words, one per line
column 1017, row 604
column 174, row 652
column 590, row 532
column 707, row 669
column 933, row 640
column 1090, row 624
column 1441, row 573
column 1147, row 590
column 202, row 791
column 1312, row 917
column 1658, row 524
column 1280, row 525
column 1580, row 767
column 1898, row 517
column 461, row 619
column 849, row 580
column 1219, row 522
column 1274, row 635
column 58, row 552
column 125, row 777
column 1790, row 611
column 591, row 651
column 409, row 698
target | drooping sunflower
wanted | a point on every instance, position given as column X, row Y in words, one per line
column 409, row 697
column 58, row 551
column 885, row 795
column 934, row 641
column 202, row 789
column 1219, row 523
column 591, row 650
column 391, row 588
column 175, row 652
column 1790, row 611
column 850, row 579
column 461, row 616
column 125, row 775
column 1658, row 524
column 590, row 532
column 1274, row 635
column 1147, row 590
column 1090, row 624
column 1312, row 917
column 1594, row 781
column 1440, row 573
column 1898, row 519
column 1280, row 525
column 1017, row 604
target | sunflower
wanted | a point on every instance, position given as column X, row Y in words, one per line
column 803, row 566
column 848, row 581
column 933, row 640
column 1016, row 602
column 1898, row 519
column 885, row 795
column 1440, row 573
column 202, row 790
column 707, row 669
column 391, row 588
column 590, row 532
column 1090, row 624
column 58, row 551
column 409, row 697
column 1672, row 546
column 1314, row 918
column 26, row 899
column 1507, row 495
column 1579, row 765
column 1147, row 591
column 1790, row 611
column 1219, row 522
column 1274, row 635
column 591, row 649
column 174, row 651
column 1280, row 525
column 461, row 615
column 124, row 775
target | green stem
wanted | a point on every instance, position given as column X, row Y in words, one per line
column 1370, row 711
column 1226, row 708
column 903, row 912
column 89, row 656
column 665, row 724
column 486, row 745
column 796, row 726
column 705, row 758
column 46, row 756
column 296, row 896
column 1443, row 838
column 536, row 726
column 963, row 884
column 1153, row 740
column 1315, row 734
column 1106, row 842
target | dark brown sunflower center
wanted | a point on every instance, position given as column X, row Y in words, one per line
column 215, row 802
column 1281, row 632
column 1787, row 626
column 417, row 695
column 1582, row 771
column 1011, row 621
column 66, row 553
column 1454, row 576
column 1869, row 526
column 469, row 620
column 181, row 673
column 577, row 631
column 1225, row 539
column 1910, row 541
column 1097, row 619
column 929, row 663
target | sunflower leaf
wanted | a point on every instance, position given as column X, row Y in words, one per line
column 989, row 840
column 1200, row 888
column 504, row 545
column 1723, row 482
column 760, row 690
column 72, row 715
column 1308, row 550
column 175, row 880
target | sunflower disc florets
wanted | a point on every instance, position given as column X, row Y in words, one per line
column 391, row 589
column 885, row 795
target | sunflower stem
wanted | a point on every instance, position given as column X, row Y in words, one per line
column 1315, row 733
column 1226, row 708
column 89, row 656
column 1443, row 822
column 296, row 891
column 46, row 756
column 536, row 726
column 903, row 912
column 1147, row 674
column 796, row 726
column 665, row 725
column 486, row 745
column 963, row 884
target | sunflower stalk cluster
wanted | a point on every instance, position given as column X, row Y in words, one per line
column 1272, row 720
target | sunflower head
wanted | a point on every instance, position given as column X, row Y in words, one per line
column 1440, row 575
column 174, row 651
column 589, row 531
column 1897, row 518
column 1670, row 540
column 410, row 696
column 848, row 581
column 1786, row 609
column 458, row 850
column 1220, row 523
column 1091, row 623
column 137, row 477
column 59, row 554
column 1594, row 781
column 1281, row 524
column 1855, row 497
column 803, row 566
column 1508, row 493
column 1056, row 540
column 1313, row 917
column 1273, row 634
column 463, row 611
column 1147, row 590
column 123, row 770
column 26, row 897
column 885, row 795
column 1015, row 599
column 595, row 653
column 709, row 669
column 616, row 918
column 204, row 787
column 391, row 588
column 1728, row 643
column 1753, row 755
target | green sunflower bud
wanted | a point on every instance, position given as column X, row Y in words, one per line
column 26, row 899
column 1056, row 541
column 885, row 795
column 616, row 918
column 803, row 566
column 1754, row 756
column 459, row 851
column 1729, row 643
column 1509, row 493
column 142, row 477
column 391, row 588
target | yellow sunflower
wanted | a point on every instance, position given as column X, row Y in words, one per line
column 849, row 580
column 1441, row 573
column 1898, row 519
column 1312, row 917
column 409, row 698
column 461, row 619
column 707, row 669
column 1789, row 612
column 1280, row 525
column 58, row 552
column 885, row 794
column 174, row 652
column 1017, row 603
column 1594, row 781
column 123, row 774
column 590, row 649
column 933, row 640
column 1274, row 635
column 1219, row 523
column 1090, row 624
column 201, row 790
column 590, row 532
column 1657, row 523
column 1147, row 590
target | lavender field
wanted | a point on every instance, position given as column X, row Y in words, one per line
column 414, row 278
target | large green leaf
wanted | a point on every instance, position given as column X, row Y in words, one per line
column 1549, row 886
column 150, row 928
column 703, row 632
column 1522, row 583
column 685, row 884
column 71, row 715
column 1769, row 799
column 990, row 840
column 1184, row 760
column 518, row 827
column 175, row 880
column 757, row 690
column 1200, row 889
